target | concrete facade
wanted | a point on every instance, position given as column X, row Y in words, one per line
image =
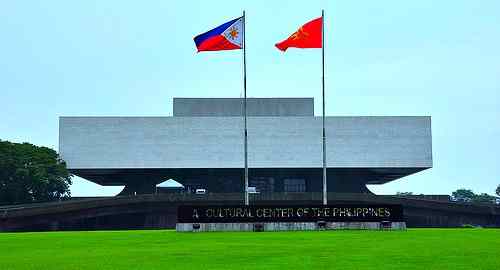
column 227, row 107
column 285, row 226
column 217, row 142
column 206, row 142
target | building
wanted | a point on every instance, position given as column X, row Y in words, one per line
column 201, row 146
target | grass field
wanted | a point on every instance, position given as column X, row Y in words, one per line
column 413, row 249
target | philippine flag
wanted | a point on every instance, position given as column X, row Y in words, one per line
column 228, row 36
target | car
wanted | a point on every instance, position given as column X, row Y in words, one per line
column 252, row 190
column 200, row 191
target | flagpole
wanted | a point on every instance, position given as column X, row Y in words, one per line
column 245, row 109
column 325, row 193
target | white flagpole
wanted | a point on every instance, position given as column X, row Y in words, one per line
column 245, row 110
column 325, row 193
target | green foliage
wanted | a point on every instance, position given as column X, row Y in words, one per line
column 466, row 195
column 404, row 193
column 389, row 250
column 498, row 190
column 463, row 195
column 31, row 173
column 484, row 198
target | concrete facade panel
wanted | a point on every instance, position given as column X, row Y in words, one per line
column 217, row 142
column 214, row 107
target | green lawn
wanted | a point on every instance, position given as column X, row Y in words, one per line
column 413, row 249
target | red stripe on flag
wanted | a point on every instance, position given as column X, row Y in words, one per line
column 217, row 43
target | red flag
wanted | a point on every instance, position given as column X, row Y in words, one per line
column 308, row 36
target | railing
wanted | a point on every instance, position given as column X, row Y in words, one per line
column 234, row 198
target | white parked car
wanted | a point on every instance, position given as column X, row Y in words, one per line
column 200, row 191
column 252, row 190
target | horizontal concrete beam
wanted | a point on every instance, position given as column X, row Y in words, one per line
column 217, row 142
column 234, row 107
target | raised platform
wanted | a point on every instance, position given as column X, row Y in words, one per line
column 160, row 211
column 288, row 226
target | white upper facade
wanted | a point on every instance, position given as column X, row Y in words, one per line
column 217, row 141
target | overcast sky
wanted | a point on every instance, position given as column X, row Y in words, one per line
column 129, row 58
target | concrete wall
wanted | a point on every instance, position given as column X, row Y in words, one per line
column 286, row 226
column 217, row 142
column 234, row 107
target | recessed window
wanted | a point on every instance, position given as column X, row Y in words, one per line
column 295, row 185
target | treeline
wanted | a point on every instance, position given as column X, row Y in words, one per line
column 466, row 196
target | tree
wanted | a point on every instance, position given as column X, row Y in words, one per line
column 484, row 198
column 31, row 173
column 404, row 193
column 466, row 195
column 498, row 190
column 463, row 195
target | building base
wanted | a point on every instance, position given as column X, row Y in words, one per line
column 288, row 226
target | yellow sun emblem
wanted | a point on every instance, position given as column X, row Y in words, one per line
column 233, row 32
column 300, row 34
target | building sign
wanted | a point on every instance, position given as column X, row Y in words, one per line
column 258, row 213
